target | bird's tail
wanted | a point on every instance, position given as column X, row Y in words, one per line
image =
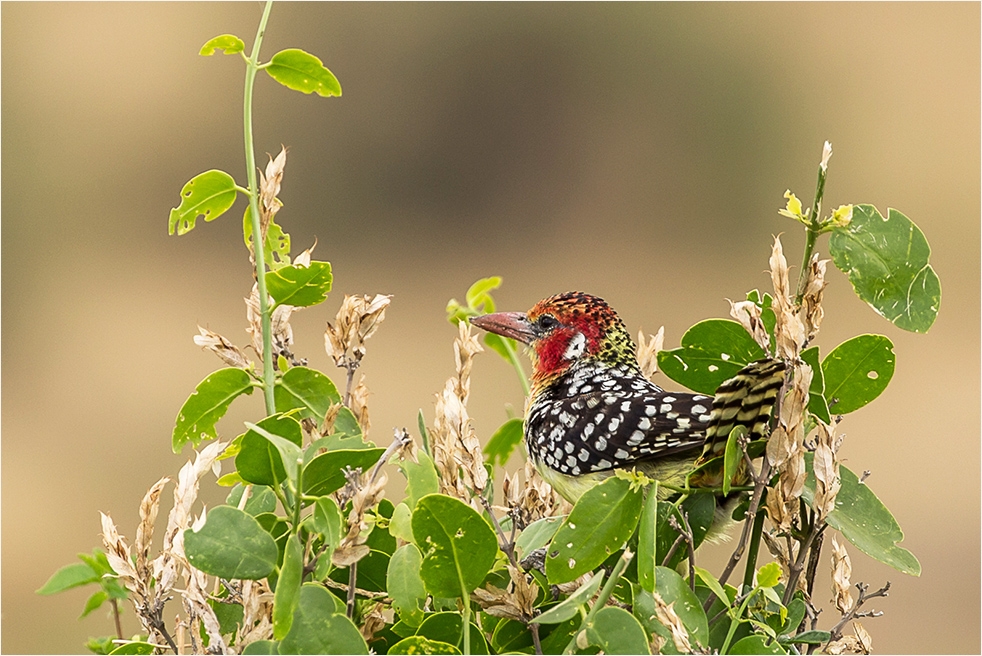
column 746, row 400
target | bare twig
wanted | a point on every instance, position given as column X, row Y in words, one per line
column 116, row 619
column 854, row 612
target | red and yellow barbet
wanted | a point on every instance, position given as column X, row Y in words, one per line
column 592, row 412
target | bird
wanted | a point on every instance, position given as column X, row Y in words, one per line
column 592, row 412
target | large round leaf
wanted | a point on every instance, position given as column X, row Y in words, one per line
column 886, row 259
column 325, row 473
column 616, row 631
column 458, row 545
column 307, row 389
column 712, row 351
column 319, row 626
column 231, row 545
column 601, row 522
column 207, row 404
column 258, row 460
column 207, row 194
column 857, row 371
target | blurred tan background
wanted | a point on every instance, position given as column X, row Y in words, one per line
column 636, row 151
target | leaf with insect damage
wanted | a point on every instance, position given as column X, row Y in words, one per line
column 207, row 194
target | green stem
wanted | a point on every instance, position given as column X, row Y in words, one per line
column 516, row 363
column 602, row 598
column 814, row 230
column 258, row 248
column 467, row 626
column 754, row 549
column 736, row 621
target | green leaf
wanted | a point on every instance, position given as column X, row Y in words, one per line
column 537, row 535
column 301, row 71
column 673, row 589
column 260, row 460
column 648, row 539
column 319, row 627
column 327, row 521
column 307, row 389
column 864, row 520
column 289, row 453
column 478, row 296
column 300, row 286
column 500, row 345
column 405, row 585
column 458, row 545
column 817, row 405
column 68, row 577
column 732, row 456
column 94, row 602
column 261, row 500
column 857, row 371
column 421, row 478
column 135, row 647
column 755, row 644
column 261, row 647
column 570, row 607
column 287, row 593
column 420, row 645
column 769, row 575
column 228, row 43
column 325, row 473
column 207, row 194
column 616, row 631
column 886, row 260
column 207, row 404
column 713, row 584
column 499, row 448
column 276, row 250
column 601, row 521
column 401, row 525
column 231, row 545
column 712, row 351
column 811, row 637
column 447, row 628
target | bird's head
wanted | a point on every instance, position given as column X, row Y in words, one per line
column 563, row 330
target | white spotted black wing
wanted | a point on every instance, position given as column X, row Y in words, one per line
column 613, row 418
column 629, row 421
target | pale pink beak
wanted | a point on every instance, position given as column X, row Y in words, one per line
column 507, row 324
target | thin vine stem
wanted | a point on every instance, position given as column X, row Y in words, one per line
column 814, row 230
column 513, row 358
column 258, row 248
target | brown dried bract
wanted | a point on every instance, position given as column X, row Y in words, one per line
column 227, row 352
column 648, row 352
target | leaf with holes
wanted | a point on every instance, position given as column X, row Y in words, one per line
column 229, row 44
column 302, row 71
column 711, row 352
column 207, row 404
column 674, row 590
column 458, row 545
column 419, row 645
column 886, row 259
column 863, row 519
column 276, row 250
column 755, row 644
column 602, row 520
column 857, row 371
column 232, row 545
column 300, row 286
column 307, row 389
column 207, row 194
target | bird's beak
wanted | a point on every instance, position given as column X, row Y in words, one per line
column 507, row 324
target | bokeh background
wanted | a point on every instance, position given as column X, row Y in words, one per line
column 636, row 151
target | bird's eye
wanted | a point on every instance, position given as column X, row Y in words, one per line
column 547, row 322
